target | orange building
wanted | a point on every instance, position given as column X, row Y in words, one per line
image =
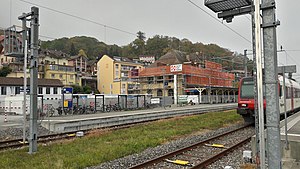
column 194, row 76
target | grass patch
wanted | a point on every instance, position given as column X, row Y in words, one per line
column 98, row 148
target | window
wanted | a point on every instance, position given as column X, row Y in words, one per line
column 60, row 76
column 48, row 90
column 71, row 76
column 117, row 74
column 17, row 90
column 40, row 90
column 52, row 75
column 159, row 92
column 55, row 90
column 3, row 90
column 247, row 89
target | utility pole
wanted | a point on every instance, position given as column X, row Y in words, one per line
column 33, row 79
column 259, row 83
column 256, row 118
column 34, row 23
column 269, row 24
column 25, row 50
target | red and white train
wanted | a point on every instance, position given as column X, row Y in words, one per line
column 246, row 97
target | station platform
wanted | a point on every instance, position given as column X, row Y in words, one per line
column 290, row 156
column 108, row 119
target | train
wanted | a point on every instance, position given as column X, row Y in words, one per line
column 246, row 97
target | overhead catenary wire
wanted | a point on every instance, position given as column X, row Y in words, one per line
column 297, row 63
column 81, row 18
column 124, row 31
column 40, row 35
column 231, row 28
column 235, row 30
column 243, row 37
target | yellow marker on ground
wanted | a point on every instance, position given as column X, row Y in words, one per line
column 180, row 162
column 71, row 135
column 218, row 145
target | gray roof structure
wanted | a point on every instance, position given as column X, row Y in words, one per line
column 178, row 57
column 14, row 81
column 53, row 54
column 170, row 58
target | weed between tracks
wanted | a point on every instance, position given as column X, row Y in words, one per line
column 105, row 146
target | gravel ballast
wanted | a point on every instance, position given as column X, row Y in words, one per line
column 150, row 153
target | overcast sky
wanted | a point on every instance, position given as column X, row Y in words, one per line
column 178, row 18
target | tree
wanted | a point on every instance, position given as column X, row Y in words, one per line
column 77, row 89
column 87, row 90
column 156, row 45
column 138, row 47
column 5, row 71
column 73, row 50
column 141, row 36
column 82, row 53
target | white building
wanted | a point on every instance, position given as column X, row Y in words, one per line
column 11, row 93
column 147, row 60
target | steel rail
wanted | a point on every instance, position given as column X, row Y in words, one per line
column 15, row 143
column 41, row 139
column 179, row 151
column 220, row 155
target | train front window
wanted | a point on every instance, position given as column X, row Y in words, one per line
column 247, row 89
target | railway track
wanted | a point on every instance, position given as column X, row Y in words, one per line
column 18, row 143
column 203, row 153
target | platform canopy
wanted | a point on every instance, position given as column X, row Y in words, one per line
column 226, row 5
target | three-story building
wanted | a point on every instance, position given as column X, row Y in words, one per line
column 114, row 74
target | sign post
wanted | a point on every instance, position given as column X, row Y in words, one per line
column 282, row 70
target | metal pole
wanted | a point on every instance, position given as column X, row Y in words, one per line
column 164, row 87
column 271, row 79
column 245, row 62
column 284, row 106
column 33, row 79
column 200, row 93
column 209, row 81
column 24, row 89
column 255, row 85
column 25, row 50
column 175, row 89
column 259, row 83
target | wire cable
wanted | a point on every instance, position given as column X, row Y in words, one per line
column 77, row 17
column 220, row 21
column 43, row 36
